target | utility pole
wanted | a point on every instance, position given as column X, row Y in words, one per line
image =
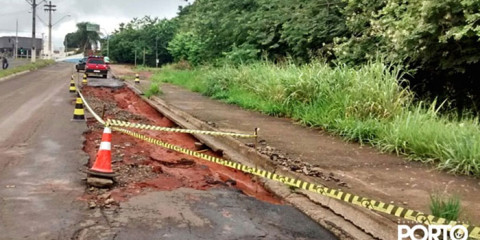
column 144, row 56
column 50, row 8
column 33, row 3
column 16, row 42
column 135, row 57
column 156, row 52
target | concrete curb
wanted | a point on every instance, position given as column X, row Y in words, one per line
column 14, row 75
column 344, row 220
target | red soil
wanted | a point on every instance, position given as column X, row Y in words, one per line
column 168, row 170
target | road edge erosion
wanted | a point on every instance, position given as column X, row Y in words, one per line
column 345, row 221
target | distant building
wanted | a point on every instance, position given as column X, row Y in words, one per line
column 7, row 45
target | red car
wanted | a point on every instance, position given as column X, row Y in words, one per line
column 96, row 66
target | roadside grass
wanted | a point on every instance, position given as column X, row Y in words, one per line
column 445, row 207
column 145, row 68
column 154, row 89
column 364, row 104
column 30, row 66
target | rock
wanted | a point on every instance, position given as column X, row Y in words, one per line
column 127, row 144
column 105, row 195
column 342, row 184
column 109, row 201
column 250, row 145
column 200, row 146
column 92, row 205
column 99, row 182
column 294, row 168
column 305, row 170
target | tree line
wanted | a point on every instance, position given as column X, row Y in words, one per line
column 436, row 42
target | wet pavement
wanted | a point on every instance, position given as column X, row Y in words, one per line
column 194, row 214
column 42, row 186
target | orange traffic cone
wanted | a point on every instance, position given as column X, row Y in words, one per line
column 137, row 79
column 103, row 164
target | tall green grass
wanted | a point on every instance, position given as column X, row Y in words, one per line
column 26, row 67
column 364, row 104
column 445, row 207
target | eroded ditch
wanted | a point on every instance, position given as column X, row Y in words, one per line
column 142, row 166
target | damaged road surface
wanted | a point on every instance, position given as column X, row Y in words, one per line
column 40, row 154
column 158, row 193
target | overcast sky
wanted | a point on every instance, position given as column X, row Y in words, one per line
column 107, row 13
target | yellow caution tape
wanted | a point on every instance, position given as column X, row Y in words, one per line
column 419, row 217
column 118, row 123
column 98, row 118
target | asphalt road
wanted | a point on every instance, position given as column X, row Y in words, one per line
column 41, row 185
column 40, row 152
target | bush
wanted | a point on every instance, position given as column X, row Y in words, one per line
column 154, row 89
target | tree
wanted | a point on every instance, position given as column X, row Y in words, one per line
column 148, row 34
column 438, row 39
column 82, row 39
column 251, row 28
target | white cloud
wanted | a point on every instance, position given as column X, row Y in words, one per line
column 107, row 13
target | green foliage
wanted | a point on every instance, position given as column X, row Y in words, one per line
column 439, row 39
column 186, row 46
column 445, row 207
column 151, row 35
column 153, row 90
column 243, row 54
column 82, row 38
column 364, row 104
column 243, row 30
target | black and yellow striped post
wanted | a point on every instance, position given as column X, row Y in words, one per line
column 137, row 79
column 84, row 81
column 78, row 113
column 72, row 85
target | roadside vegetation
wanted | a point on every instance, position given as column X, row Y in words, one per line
column 447, row 207
column 30, row 66
column 364, row 104
column 398, row 75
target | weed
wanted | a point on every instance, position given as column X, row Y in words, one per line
column 445, row 207
column 154, row 89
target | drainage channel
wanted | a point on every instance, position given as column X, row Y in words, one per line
column 178, row 196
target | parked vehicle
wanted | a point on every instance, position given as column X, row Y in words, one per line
column 96, row 66
column 81, row 64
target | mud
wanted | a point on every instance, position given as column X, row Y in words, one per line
column 141, row 165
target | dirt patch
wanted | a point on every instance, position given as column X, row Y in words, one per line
column 141, row 165
column 128, row 72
